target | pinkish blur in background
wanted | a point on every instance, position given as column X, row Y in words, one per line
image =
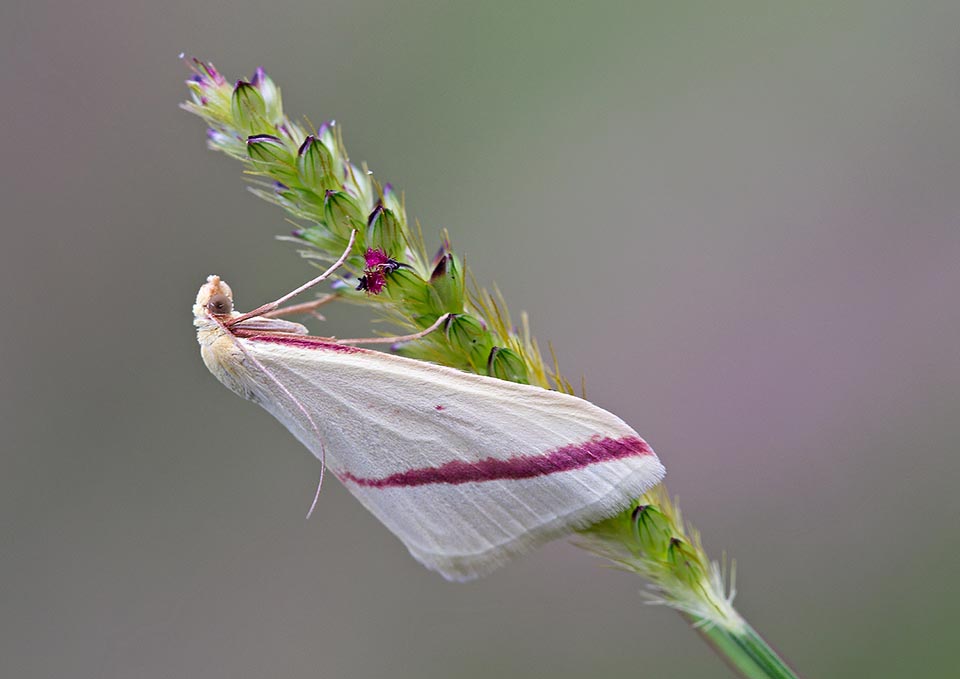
column 740, row 221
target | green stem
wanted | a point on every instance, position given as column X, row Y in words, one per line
column 747, row 653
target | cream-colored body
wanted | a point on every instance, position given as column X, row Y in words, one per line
column 224, row 359
column 466, row 470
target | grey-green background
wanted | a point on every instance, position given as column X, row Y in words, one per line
column 738, row 220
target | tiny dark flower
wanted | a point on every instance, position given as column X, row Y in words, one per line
column 372, row 282
column 376, row 258
column 379, row 264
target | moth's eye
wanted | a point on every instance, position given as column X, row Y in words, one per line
column 220, row 305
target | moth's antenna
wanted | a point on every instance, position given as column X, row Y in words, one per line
column 270, row 306
column 323, row 466
column 399, row 338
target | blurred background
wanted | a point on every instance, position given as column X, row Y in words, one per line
column 738, row 220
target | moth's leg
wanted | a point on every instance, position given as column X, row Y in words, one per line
column 304, row 308
column 399, row 338
column 271, row 306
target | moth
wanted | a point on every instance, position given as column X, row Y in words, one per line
column 467, row 471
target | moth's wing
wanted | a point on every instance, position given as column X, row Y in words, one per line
column 466, row 470
column 259, row 324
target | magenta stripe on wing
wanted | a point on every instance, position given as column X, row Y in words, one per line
column 562, row 459
column 305, row 342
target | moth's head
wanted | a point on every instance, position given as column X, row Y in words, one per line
column 215, row 298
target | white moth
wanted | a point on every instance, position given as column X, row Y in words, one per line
column 468, row 471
